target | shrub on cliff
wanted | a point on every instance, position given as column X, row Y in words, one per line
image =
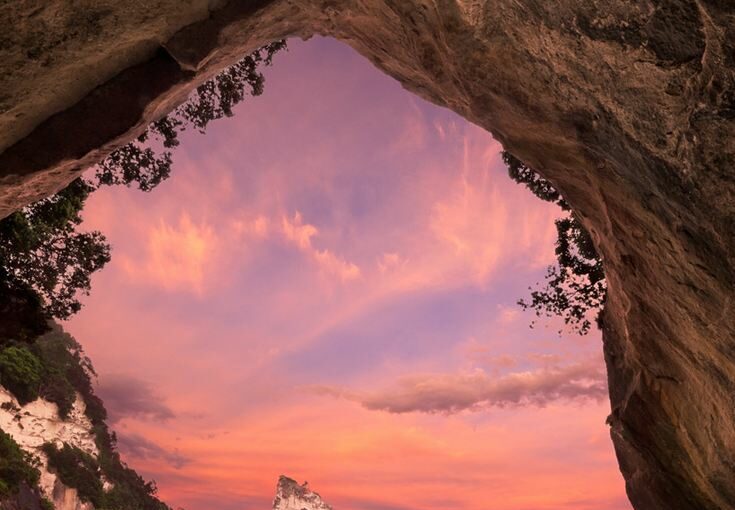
column 54, row 367
column 76, row 468
column 66, row 370
column 130, row 490
column 20, row 372
column 83, row 472
column 16, row 467
column 575, row 287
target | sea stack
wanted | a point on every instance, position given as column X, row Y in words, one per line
column 290, row 495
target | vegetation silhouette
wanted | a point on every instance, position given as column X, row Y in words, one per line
column 575, row 287
column 46, row 263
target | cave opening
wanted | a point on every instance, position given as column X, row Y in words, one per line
column 326, row 288
column 627, row 110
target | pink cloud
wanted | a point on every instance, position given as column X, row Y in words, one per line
column 178, row 256
column 300, row 234
column 513, row 461
column 259, row 226
column 452, row 393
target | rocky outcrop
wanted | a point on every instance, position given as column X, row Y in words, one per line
column 628, row 107
column 38, row 422
column 67, row 498
column 290, row 495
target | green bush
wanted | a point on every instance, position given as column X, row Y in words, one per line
column 16, row 466
column 62, row 370
column 81, row 471
column 130, row 491
column 20, row 372
column 77, row 469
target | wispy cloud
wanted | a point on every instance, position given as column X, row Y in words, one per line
column 300, row 234
column 178, row 255
column 472, row 221
column 453, row 393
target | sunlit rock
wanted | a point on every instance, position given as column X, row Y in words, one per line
column 37, row 423
column 290, row 495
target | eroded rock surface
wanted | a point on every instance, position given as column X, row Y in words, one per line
column 628, row 107
column 37, row 423
column 290, row 495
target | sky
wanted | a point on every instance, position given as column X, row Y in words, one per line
column 326, row 288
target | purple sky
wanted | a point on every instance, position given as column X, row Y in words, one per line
column 326, row 288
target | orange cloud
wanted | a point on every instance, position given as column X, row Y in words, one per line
column 178, row 257
column 300, row 234
column 480, row 220
column 389, row 262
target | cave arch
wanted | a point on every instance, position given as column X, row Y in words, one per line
column 628, row 110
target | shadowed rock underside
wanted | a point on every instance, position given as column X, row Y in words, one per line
column 627, row 107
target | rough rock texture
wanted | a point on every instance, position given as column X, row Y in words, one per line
column 37, row 423
column 292, row 496
column 628, row 107
column 66, row 498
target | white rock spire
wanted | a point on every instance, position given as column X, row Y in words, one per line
column 292, row 496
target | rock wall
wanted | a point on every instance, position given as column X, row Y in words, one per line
column 628, row 107
column 37, row 423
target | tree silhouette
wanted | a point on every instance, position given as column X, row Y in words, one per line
column 146, row 165
column 41, row 249
column 575, row 287
column 46, row 263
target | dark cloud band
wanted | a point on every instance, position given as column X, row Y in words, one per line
column 128, row 397
column 452, row 393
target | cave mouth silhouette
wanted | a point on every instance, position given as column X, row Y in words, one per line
column 576, row 96
column 337, row 176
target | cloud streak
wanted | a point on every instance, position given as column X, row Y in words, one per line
column 300, row 234
column 453, row 393
column 128, row 397
column 138, row 447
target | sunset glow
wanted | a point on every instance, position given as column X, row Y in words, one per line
column 326, row 288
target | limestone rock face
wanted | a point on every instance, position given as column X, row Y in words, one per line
column 290, row 495
column 628, row 107
column 66, row 498
column 36, row 423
